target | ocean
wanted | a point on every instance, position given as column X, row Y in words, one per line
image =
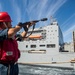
column 38, row 70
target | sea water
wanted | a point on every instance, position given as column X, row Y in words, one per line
column 37, row 70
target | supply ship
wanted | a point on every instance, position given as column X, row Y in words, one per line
column 45, row 47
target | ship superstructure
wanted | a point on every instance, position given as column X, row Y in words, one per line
column 48, row 38
column 45, row 46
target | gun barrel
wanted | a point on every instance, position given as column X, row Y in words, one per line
column 36, row 21
column 44, row 19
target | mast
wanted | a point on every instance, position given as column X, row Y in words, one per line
column 53, row 21
column 74, row 40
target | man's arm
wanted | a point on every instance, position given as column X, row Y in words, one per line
column 9, row 33
column 24, row 33
column 13, row 31
column 3, row 34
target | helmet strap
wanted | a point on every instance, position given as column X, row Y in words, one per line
column 5, row 24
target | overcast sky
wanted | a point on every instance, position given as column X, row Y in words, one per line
column 26, row 10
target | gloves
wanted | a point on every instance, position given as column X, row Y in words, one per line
column 20, row 24
column 24, row 25
column 25, row 28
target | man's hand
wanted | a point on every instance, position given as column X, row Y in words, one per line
column 27, row 26
column 30, row 24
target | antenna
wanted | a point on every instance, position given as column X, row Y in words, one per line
column 53, row 20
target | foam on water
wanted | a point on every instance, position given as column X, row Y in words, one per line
column 34, row 70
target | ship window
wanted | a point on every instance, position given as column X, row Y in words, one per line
column 33, row 46
column 26, row 46
column 42, row 45
column 50, row 45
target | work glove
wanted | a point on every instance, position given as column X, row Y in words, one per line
column 26, row 25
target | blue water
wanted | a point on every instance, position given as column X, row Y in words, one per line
column 35, row 70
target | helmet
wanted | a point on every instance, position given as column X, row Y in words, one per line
column 4, row 17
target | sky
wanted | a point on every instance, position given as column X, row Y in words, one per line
column 63, row 11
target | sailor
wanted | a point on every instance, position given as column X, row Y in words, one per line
column 9, row 52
